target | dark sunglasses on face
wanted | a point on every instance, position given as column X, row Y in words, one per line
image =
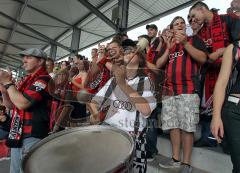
column 128, row 50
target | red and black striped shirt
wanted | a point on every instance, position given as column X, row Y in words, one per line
column 152, row 53
column 36, row 118
column 183, row 71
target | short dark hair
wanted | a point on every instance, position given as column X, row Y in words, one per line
column 199, row 4
column 78, row 56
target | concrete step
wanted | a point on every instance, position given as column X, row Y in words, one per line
column 4, row 165
column 210, row 160
column 153, row 167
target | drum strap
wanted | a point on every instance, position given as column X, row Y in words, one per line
column 109, row 91
column 140, row 88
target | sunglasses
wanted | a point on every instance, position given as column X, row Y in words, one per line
column 128, row 50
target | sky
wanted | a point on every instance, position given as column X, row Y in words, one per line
column 163, row 22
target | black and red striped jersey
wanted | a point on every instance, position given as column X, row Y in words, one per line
column 182, row 72
column 36, row 117
column 152, row 53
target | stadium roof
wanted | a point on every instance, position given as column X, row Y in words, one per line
column 51, row 24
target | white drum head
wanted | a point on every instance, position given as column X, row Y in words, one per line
column 93, row 149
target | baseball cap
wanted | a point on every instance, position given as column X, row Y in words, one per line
column 153, row 26
column 38, row 53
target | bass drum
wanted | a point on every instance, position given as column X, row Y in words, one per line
column 92, row 149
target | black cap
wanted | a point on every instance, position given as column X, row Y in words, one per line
column 153, row 26
column 128, row 42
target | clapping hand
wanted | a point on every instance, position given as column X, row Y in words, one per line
column 180, row 37
column 5, row 76
column 119, row 72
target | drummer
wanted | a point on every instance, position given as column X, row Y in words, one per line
column 129, row 101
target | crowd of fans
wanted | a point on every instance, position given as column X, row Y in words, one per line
column 163, row 80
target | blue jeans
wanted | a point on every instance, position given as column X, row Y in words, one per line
column 152, row 132
column 206, row 131
column 17, row 154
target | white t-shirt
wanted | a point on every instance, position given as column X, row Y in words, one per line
column 122, row 113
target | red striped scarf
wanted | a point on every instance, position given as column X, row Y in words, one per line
column 18, row 116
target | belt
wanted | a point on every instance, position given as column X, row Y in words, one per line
column 233, row 99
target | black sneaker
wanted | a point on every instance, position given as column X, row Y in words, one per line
column 150, row 157
column 205, row 143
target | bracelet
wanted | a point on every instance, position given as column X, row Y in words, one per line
column 8, row 85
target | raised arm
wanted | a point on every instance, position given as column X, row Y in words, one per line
column 6, row 100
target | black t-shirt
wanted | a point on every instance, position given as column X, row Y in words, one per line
column 236, row 87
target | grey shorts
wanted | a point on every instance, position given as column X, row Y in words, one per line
column 181, row 111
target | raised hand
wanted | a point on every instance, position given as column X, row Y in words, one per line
column 180, row 37
column 5, row 77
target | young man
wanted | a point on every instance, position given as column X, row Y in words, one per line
column 153, row 53
column 30, row 104
column 217, row 32
column 194, row 25
column 183, row 57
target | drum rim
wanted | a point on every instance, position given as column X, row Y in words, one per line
column 85, row 128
